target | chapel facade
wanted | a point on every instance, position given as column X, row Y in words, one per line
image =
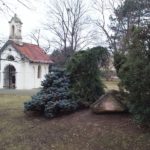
column 22, row 65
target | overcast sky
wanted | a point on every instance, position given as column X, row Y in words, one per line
column 32, row 18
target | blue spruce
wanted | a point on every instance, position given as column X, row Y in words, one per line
column 55, row 97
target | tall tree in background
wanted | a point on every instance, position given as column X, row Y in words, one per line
column 67, row 21
column 125, row 15
column 103, row 8
column 134, row 75
column 132, row 13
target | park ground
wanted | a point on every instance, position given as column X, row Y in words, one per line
column 82, row 130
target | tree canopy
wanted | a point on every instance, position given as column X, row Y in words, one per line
column 134, row 74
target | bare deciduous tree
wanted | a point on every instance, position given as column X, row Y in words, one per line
column 38, row 38
column 35, row 36
column 104, row 9
column 67, row 21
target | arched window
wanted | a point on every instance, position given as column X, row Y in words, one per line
column 39, row 72
column 13, row 30
column 10, row 58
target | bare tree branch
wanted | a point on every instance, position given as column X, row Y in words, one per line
column 67, row 21
column 39, row 39
column 103, row 8
column 24, row 3
column 6, row 7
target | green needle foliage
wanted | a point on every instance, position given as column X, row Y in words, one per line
column 55, row 98
column 83, row 67
column 135, row 75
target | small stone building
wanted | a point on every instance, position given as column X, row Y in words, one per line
column 22, row 65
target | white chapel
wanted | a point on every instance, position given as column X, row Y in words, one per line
column 22, row 65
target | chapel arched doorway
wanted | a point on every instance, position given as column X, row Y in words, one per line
column 10, row 77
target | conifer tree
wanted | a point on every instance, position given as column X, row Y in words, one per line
column 55, row 97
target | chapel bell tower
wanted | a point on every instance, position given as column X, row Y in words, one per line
column 15, row 30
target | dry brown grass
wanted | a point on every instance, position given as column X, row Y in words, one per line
column 79, row 131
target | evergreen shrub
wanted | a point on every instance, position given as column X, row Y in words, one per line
column 55, row 97
column 135, row 75
column 84, row 69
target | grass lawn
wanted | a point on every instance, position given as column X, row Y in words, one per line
column 82, row 130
